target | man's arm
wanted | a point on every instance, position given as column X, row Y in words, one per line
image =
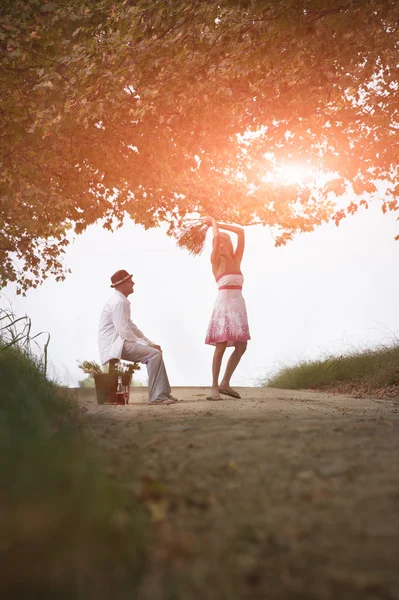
column 138, row 332
column 123, row 325
column 141, row 335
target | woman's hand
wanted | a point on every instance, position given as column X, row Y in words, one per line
column 208, row 221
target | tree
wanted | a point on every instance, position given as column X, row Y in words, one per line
column 157, row 110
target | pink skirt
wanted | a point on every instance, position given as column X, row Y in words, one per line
column 229, row 321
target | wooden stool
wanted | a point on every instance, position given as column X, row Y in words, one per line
column 113, row 364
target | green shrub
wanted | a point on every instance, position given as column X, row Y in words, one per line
column 66, row 529
column 372, row 369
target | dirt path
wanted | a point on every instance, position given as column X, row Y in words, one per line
column 279, row 495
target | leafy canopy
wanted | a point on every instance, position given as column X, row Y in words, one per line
column 157, row 110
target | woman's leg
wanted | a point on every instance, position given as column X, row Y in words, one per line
column 232, row 363
column 216, row 364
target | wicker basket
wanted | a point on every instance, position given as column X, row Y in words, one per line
column 106, row 384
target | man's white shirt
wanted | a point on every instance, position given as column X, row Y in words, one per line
column 115, row 327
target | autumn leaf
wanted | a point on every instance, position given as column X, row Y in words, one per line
column 153, row 112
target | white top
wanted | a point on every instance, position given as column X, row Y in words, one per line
column 115, row 327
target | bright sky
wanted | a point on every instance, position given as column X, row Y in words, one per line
column 326, row 292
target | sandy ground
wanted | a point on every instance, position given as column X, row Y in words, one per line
column 279, row 495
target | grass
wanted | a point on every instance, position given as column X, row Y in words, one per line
column 67, row 529
column 365, row 371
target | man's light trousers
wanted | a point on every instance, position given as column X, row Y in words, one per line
column 158, row 383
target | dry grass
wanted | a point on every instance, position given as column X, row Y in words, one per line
column 365, row 371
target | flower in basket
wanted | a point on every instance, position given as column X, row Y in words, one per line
column 127, row 368
column 90, row 367
column 107, row 383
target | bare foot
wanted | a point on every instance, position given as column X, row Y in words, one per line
column 165, row 401
column 214, row 394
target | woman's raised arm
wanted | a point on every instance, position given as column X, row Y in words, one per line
column 216, row 249
column 240, row 239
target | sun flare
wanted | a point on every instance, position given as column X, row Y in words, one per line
column 289, row 175
column 297, row 174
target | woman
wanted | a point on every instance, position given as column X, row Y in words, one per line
column 229, row 324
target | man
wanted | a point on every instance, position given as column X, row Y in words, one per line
column 119, row 338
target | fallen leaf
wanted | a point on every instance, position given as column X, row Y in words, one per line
column 157, row 510
column 305, row 475
column 232, row 485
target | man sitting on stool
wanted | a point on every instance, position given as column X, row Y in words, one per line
column 119, row 338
